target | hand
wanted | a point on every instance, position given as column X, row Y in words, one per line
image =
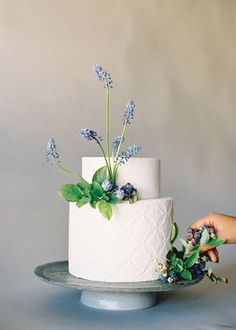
column 225, row 227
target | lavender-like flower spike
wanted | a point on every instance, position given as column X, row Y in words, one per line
column 129, row 152
column 90, row 135
column 116, row 143
column 51, row 152
column 103, row 75
column 129, row 113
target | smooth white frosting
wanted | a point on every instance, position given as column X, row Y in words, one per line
column 127, row 248
column 142, row 173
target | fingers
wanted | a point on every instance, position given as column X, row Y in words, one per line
column 207, row 220
column 206, row 248
column 213, row 255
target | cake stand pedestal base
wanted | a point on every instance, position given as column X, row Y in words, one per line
column 118, row 301
column 120, row 296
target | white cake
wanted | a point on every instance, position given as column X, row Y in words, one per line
column 129, row 246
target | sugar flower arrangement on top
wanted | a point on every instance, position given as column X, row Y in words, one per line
column 103, row 191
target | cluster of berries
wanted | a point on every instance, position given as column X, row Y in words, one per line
column 129, row 191
column 167, row 276
column 126, row 192
column 194, row 236
column 197, row 269
column 194, row 240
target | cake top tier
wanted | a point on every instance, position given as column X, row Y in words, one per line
column 142, row 173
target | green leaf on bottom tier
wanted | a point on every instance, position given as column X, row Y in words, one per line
column 82, row 201
column 105, row 209
column 171, row 256
column 174, row 232
column 70, row 192
column 186, row 275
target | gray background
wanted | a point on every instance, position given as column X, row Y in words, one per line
column 176, row 59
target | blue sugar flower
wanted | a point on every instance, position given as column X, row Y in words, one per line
column 106, row 185
column 129, row 113
column 51, row 152
column 90, row 135
column 129, row 152
column 120, row 193
column 103, row 75
column 116, row 143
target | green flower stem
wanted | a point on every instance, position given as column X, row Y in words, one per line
column 108, row 129
column 104, row 155
column 117, row 153
column 69, row 172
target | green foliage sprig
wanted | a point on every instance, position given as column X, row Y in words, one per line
column 83, row 193
column 189, row 262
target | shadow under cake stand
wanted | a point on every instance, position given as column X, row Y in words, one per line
column 109, row 295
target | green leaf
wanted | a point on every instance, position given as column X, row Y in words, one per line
column 205, row 237
column 192, row 259
column 180, row 254
column 134, row 198
column 175, row 250
column 83, row 185
column 215, row 242
column 94, row 197
column 87, row 194
column 171, row 256
column 105, row 197
column 222, row 279
column 105, row 209
column 174, row 232
column 194, row 249
column 82, row 201
column 100, row 175
column 179, row 266
column 97, row 189
column 70, row 192
column 93, row 204
column 186, row 275
column 209, row 272
column 184, row 243
column 112, row 198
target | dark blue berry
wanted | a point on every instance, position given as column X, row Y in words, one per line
column 163, row 279
column 190, row 230
column 171, row 273
column 197, row 235
column 202, row 265
column 128, row 189
column 193, row 241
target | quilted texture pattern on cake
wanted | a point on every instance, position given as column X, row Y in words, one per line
column 125, row 249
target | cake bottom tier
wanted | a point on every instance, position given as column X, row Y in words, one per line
column 126, row 248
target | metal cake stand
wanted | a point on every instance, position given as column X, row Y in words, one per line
column 108, row 295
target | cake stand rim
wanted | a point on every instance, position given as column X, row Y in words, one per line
column 61, row 278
